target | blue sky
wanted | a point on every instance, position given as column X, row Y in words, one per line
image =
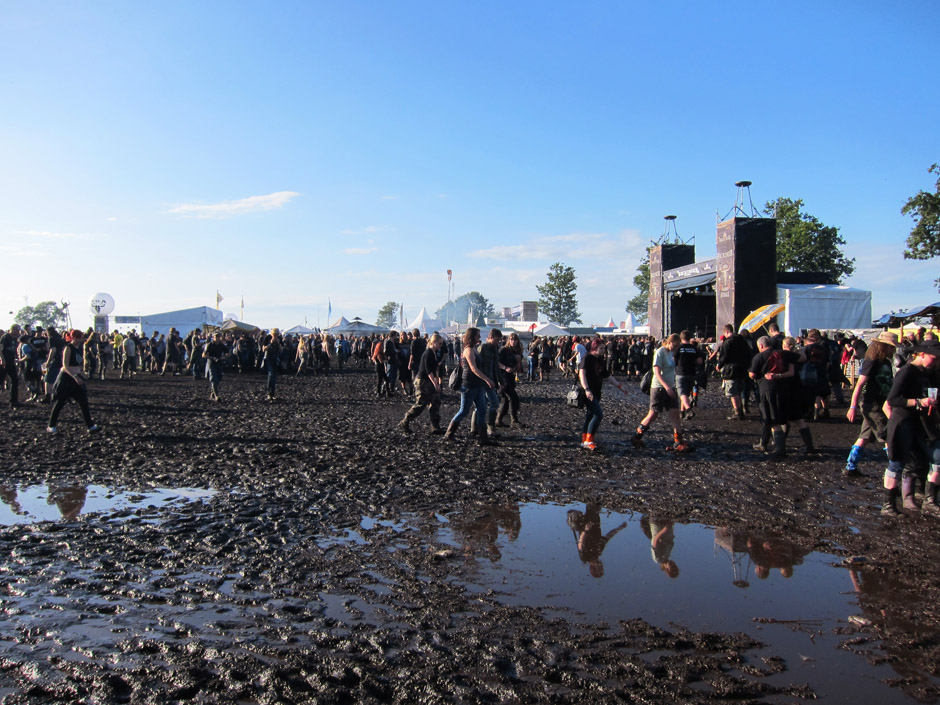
column 296, row 153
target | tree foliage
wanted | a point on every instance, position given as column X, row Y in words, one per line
column 924, row 208
column 638, row 304
column 806, row 245
column 45, row 314
column 387, row 314
column 459, row 309
column 558, row 296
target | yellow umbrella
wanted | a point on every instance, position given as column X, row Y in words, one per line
column 755, row 319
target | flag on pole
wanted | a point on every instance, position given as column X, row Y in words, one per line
column 401, row 315
column 218, row 299
column 329, row 310
column 243, row 307
column 450, row 274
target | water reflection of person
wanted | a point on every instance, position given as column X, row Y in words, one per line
column 479, row 531
column 661, row 533
column 735, row 543
column 68, row 498
column 8, row 495
column 591, row 542
column 770, row 551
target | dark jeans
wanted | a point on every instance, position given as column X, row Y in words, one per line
column 9, row 370
column 593, row 415
column 472, row 396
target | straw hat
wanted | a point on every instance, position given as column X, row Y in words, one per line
column 887, row 338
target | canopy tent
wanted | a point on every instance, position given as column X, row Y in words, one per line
column 551, row 330
column 232, row 324
column 339, row 323
column 823, row 306
column 629, row 324
column 184, row 320
column 299, row 330
column 358, row 327
column 426, row 324
column 902, row 317
column 610, row 323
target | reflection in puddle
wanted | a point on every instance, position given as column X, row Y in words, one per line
column 599, row 566
column 65, row 502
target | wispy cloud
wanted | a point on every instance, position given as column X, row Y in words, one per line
column 112, row 219
column 226, row 209
column 369, row 230
column 389, row 198
column 574, row 246
column 360, row 250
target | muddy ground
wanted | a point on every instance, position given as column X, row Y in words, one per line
column 313, row 574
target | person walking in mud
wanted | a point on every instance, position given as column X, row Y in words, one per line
column 8, row 343
column 591, row 542
column 869, row 396
column 510, row 357
column 780, row 401
column 271, row 359
column 473, row 389
column 428, row 388
column 213, row 353
column 911, row 431
column 592, row 371
column 663, row 396
column 70, row 384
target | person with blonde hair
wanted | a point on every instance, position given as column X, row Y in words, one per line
column 428, row 388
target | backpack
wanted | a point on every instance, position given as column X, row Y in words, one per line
column 455, row 381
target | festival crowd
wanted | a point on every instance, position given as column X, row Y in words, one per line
column 787, row 381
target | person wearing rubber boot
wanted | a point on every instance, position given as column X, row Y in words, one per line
column 428, row 387
column 473, row 388
column 912, row 402
column 869, row 396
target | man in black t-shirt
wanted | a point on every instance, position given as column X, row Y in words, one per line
column 689, row 361
column 214, row 352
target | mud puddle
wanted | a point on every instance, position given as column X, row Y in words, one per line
column 590, row 566
column 67, row 502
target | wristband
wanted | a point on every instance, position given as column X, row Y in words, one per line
column 853, row 407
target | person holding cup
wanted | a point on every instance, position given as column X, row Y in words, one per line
column 913, row 429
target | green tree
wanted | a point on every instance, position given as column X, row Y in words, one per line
column 387, row 315
column 459, row 309
column 924, row 208
column 45, row 313
column 638, row 304
column 806, row 245
column 558, row 296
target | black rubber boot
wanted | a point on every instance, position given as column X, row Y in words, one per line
column 890, row 506
column 807, row 437
column 449, row 433
column 780, row 445
column 907, row 493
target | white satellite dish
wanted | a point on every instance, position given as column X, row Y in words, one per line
column 101, row 304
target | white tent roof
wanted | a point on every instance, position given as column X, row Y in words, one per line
column 610, row 323
column 357, row 327
column 299, row 330
column 823, row 306
column 629, row 323
column 425, row 323
column 184, row 320
column 338, row 323
column 550, row 329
